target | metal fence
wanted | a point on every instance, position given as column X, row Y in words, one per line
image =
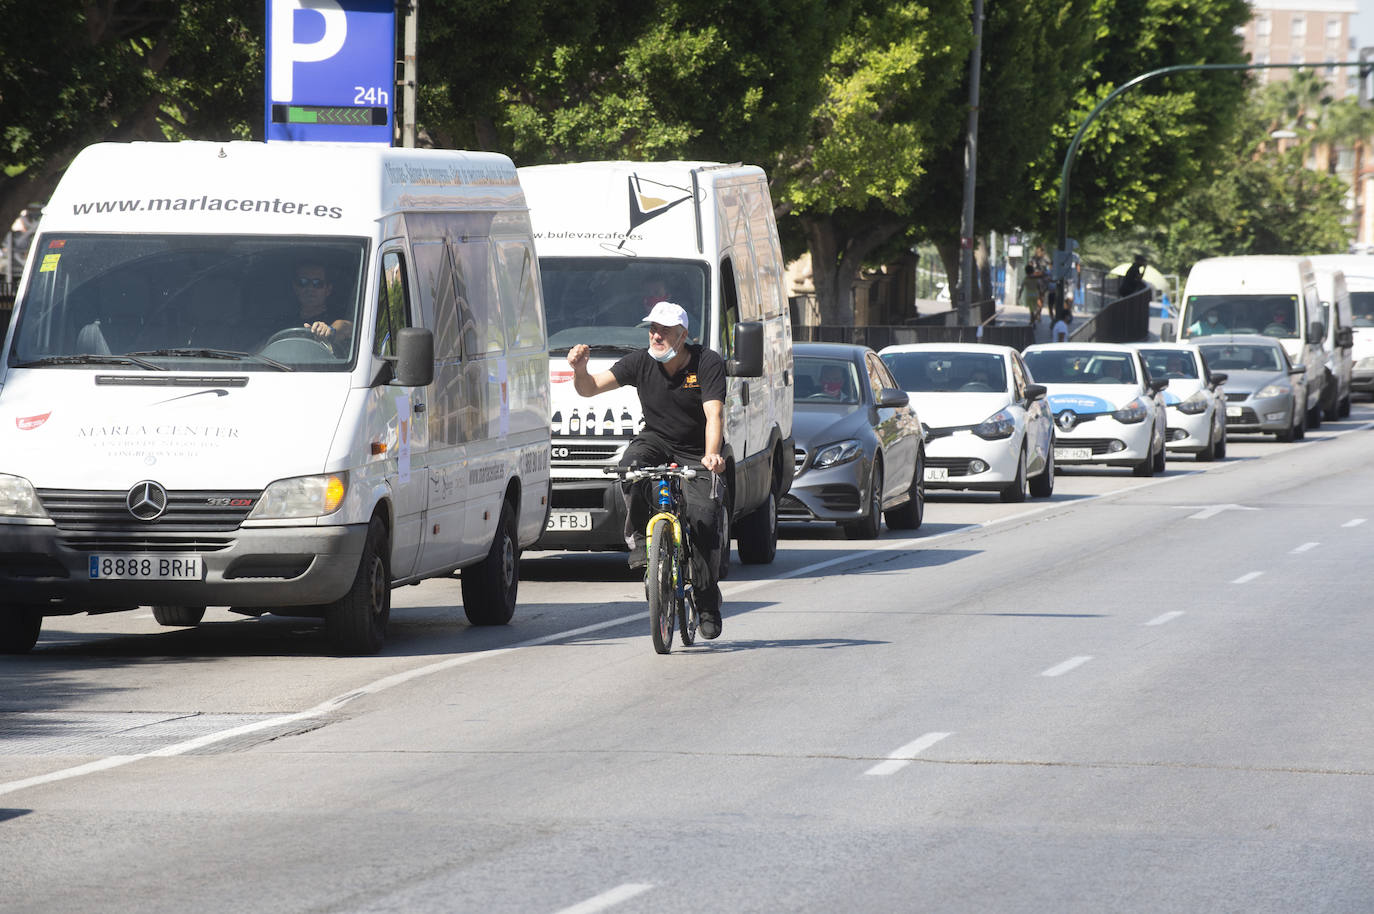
column 1124, row 320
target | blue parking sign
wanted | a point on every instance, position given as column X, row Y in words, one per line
column 331, row 70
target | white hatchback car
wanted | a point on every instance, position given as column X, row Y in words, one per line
column 1107, row 409
column 1195, row 402
column 987, row 424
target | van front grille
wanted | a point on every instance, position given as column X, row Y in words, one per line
column 188, row 511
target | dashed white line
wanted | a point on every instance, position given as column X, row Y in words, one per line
column 1304, row 548
column 1247, row 578
column 1165, row 617
column 900, row 758
column 608, row 899
column 1059, row 669
column 1353, row 522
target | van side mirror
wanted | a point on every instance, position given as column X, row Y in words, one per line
column 1317, row 332
column 748, row 360
column 1166, row 332
column 1345, row 337
column 414, row 360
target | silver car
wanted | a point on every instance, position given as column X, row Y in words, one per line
column 1265, row 392
column 860, row 453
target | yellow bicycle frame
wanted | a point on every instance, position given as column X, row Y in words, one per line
column 672, row 519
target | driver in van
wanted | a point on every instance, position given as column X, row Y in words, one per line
column 681, row 389
column 312, row 288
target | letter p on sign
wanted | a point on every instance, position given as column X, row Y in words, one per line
column 287, row 50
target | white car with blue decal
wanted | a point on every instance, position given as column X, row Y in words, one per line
column 1107, row 409
column 1195, row 401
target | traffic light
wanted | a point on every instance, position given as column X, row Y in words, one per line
column 1366, row 70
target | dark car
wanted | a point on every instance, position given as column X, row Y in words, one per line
column 860, row 453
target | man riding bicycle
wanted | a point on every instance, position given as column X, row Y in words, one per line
column 681, row 389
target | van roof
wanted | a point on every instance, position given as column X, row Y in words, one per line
column 1249, row 273
column 270, row 188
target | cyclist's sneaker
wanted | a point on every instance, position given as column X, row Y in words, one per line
column 708, row 612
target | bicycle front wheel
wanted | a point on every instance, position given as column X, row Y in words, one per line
column 661, row 585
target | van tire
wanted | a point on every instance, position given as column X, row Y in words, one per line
column 490, row 587
column 183, row 616
column 727, row 508
column 356, row 622
column 757, row 536
column 19, row 628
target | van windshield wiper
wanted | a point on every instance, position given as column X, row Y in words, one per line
column 90, row 359
column 597, row 347
column 231, row 354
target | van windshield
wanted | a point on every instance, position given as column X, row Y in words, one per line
column 191, row 301
column 1362, row 308
column 602, row 301
column 1272, row 315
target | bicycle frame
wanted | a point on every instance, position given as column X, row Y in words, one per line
column 670, row 503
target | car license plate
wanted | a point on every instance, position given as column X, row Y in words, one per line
column 1073, row 453
column 570, row 520
column 1233, row 412
column 937, row 474
column 146, row 567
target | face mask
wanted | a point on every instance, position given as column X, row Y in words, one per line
column 666, row 356
column 1211, row 318
column 832, row 388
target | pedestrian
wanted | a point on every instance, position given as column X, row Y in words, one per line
column 1134, row 279
column 1060, row 331
column 1037, row 282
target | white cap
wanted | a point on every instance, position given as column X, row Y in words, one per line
column 667, row 314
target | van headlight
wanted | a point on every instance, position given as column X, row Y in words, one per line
column 303, row 496
column 1195, row 404
column 1132, row 412
column 832, row 455
column 18, row 499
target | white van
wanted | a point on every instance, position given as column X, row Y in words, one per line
column 176, row 437
column 613, row 238
column 1341, row 278
column 1273, row 295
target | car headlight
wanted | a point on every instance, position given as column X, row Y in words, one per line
column 18, row 499
column 1195, row 404
column 1132, row 412
column 832, row 455
column 999, row 425
column 1273, row 390
column 303, row 496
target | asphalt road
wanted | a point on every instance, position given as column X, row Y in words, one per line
column 1139, row 695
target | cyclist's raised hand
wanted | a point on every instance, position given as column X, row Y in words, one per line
column 578, row 356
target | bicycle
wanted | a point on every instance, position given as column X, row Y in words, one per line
column 668, row 581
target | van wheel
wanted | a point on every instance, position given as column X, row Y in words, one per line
column 19, row 629
column 1314, row 416
column 490, row 586
column 727, row 508
column 757, row 539
column 178, row 615
column 356, row 622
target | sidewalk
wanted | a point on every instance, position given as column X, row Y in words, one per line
column 1018, row 314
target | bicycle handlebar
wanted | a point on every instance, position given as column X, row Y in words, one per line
column 634, row 474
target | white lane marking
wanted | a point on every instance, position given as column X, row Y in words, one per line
column 1247, row 578
column 1059, row 669
column 608, row 899
column 1165, row 617
column 1353, row 522
column 1304, row 548
column 900, row 758
column 1209, row 511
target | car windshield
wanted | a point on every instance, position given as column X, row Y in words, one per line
column 1170, row 363
column 602, row 301
column 1271, row 315
column 1080, row 366
column 1362, row 308
column 966, row 372
column 1242, row 358
column 178, row 301
column 825, row 380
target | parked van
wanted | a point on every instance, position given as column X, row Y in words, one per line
column 1344, row 278
column 1272, row 295
column 276, row 377
column 615, row 237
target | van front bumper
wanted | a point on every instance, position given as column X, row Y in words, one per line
column 260, row 567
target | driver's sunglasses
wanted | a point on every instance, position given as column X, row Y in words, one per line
column 306, row 282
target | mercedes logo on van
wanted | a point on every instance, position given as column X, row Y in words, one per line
column 1067, row 420
column 146, row 500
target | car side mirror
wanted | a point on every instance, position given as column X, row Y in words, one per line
column 1166, row 332
column 1158, row 384
column 748, row 360
column 1035, row 392
column 1316, row 332
column 891, row 397
column 413, row 364
column 1300, row 369
column 1218, row 379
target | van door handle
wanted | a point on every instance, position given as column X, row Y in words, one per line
column 744, row 393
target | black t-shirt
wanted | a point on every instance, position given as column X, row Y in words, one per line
column 673, row 405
